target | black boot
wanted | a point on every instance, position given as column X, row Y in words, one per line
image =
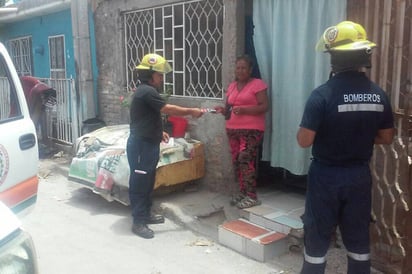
column 309, row 268
column 155, row 219
column 359, row 267
column 143, row 231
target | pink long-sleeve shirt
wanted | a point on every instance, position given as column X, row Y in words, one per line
column 246, row 97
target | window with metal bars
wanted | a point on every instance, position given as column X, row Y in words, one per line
column 20, row 53
column 9, row 103
column 57, row 59
column 189, row 35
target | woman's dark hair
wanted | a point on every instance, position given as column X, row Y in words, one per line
column 247, row 59
column 145, row 75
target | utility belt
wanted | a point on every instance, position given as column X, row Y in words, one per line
column 352, row 163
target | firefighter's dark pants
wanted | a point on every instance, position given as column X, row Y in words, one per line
column 142, row 155
column 337, row 196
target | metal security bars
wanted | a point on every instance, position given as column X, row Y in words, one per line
column 389, row 24
column 189, row 35
column 20, row 51
column 62, row 119
column 5, row 98
column 57, row 57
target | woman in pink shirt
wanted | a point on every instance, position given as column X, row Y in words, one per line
column 246, row 104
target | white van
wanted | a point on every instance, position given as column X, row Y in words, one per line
column 17, row 252
column 19, row 158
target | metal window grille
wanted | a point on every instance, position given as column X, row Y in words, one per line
column 20, row 53
column 62, row 116
column 5, row 98
column 57, row 60
column 189, row 35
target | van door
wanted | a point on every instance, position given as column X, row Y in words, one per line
column 18, row 141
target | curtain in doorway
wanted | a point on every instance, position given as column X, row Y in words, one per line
column 285, row 36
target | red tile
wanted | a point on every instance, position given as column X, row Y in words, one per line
column 245, row 229
column 275, row 236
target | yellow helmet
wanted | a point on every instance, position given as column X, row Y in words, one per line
column 345, row 36
column 155, row 62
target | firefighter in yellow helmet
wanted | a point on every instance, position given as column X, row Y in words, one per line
column 342, row 120
column 146, row 133
column 154, row 62
column 348, row 46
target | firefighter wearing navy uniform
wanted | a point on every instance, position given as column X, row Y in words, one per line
column 342, row 121
column 146, row 132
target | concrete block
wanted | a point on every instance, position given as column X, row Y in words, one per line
column 272, row 225
column 267, row 246
column 259, row 210
column 234, row 233
column 252, row 240
column 268, row 221
column 257, row 219
column 232, row 240
column 288, row 221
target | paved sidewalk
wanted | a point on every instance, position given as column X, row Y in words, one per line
column 203, row 211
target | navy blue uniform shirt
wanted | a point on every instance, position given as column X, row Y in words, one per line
column 145, row 116
column 346, row 112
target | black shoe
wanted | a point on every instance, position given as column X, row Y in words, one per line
column 155, row 219
column 143, row 231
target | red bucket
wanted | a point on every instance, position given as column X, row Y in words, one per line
column 179, row 126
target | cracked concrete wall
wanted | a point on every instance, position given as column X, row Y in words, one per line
column 210, row 129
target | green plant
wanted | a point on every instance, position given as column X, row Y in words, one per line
column 126, row 99
column 167, row 93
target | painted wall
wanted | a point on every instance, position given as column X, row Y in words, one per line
column 40, row 28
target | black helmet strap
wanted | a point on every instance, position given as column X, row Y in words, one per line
column 350, row 60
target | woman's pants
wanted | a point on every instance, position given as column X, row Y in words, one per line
column 244, row 145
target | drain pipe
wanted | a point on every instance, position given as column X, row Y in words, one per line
column 83, row 58
column 15, row 14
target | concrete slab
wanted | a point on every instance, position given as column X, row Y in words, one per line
column 267, row 247
column 286, row 220
column 252, row 240
column 286, row 202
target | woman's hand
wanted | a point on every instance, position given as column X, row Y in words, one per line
column 219, row 109
column 237, row 110
column 165, row 137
